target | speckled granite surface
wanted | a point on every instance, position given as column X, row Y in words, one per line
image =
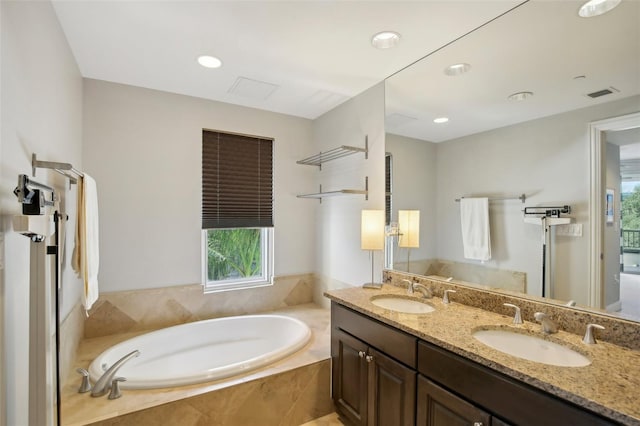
column 609, row 386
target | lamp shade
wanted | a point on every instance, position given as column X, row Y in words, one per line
column 372, row 230
column 409, row 228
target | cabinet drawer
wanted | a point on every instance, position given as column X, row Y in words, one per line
column 394, row 343
column 515, row 402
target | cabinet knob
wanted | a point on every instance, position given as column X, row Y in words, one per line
column 361, row 354
column 477, row 424
column 369, row 358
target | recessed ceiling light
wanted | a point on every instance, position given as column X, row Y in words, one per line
column 597, row 7
column 457, row 69
column 520, row 96
column 209, row 61
column 440, row 120
column 385, row 39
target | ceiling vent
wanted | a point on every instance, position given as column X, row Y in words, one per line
column 603, row 92
column 252, row 89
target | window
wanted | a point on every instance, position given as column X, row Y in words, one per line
column 237, row 211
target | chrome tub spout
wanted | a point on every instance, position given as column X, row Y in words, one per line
column 103, row 385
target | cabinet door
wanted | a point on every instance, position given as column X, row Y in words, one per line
column 439, row 407
column 350, row 376
column 392, row 391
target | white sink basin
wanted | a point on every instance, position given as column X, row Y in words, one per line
column 400, row 304
column 531, row 348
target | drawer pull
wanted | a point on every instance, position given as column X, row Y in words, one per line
column 361, row 354
column 369, row 358
column 477, row 424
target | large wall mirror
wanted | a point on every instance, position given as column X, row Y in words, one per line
column 519, row 101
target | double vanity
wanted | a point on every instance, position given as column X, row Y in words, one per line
column 411, row 359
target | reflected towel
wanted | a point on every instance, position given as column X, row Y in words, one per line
column 86, row 257
column 474, row 218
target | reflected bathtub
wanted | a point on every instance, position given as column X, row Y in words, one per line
column 203, row 351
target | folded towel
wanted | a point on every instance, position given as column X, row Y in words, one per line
column 86, row 259
column 474, row 218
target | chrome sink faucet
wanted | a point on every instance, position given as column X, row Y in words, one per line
column 426, row 292
column 409, row 286
column 103, row 385
column 548, row 326
column 589, row 336
column 517, row 318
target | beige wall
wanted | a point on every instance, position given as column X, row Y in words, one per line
column 340, row 261
column 414, row 188
column 41, row 112
column 143, row 147
column 612, row 230
column 548, row 159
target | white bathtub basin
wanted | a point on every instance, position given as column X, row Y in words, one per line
column 401, row 304
column 204, row 350
column 531, row 348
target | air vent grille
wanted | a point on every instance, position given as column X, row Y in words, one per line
column 602, row 92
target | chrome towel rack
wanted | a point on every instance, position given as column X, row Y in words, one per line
column 65, row 169
column 521, row 197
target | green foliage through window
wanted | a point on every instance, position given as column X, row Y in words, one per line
column 234, row 253
column 631, row 219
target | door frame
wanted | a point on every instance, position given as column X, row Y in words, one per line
column 596, row 199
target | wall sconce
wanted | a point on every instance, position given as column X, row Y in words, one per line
column 409, row 227
column 372, row 237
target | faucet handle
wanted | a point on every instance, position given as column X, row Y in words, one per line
column 517, row 318
column 409, row 286
column 589, row 336
column 445, row 297
column 85, row 386
column 115, row 388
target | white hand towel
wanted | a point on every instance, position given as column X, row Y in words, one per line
column 474, row 218
column 86, row 256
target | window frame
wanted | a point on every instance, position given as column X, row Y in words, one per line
column 265, row 279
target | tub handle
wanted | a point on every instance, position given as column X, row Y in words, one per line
column 85, row 386
column 115, row 388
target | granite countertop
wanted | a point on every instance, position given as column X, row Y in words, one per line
column 610, row 385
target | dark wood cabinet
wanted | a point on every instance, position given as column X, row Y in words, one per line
column 439, row 407
column 370, row 388
column 392, row 391
column 350, row 381
column 382, row 376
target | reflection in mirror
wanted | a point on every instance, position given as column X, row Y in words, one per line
column 566, row 72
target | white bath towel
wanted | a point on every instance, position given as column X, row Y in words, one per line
column 86, row 256
column 474, row 218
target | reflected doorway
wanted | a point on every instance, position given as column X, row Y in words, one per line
column 622, row 232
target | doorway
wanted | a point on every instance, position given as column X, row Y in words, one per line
column 627, row 143
column 606, row 230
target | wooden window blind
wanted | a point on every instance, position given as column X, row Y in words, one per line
column 237, row 181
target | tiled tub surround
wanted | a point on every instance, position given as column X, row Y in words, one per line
column 289, row 392
column 151, row 309
column 469, row 272
column 609, row 386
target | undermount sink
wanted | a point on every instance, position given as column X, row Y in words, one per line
column 401, row 304
column 531, row 348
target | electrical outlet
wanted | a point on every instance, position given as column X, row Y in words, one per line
column 569, row 230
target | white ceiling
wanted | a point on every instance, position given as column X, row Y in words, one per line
column 316, row 53
column 539, row 47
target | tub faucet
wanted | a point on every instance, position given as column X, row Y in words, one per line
column 103, row 385
column 548, row 326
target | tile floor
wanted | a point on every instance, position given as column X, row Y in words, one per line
column 328, row 420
